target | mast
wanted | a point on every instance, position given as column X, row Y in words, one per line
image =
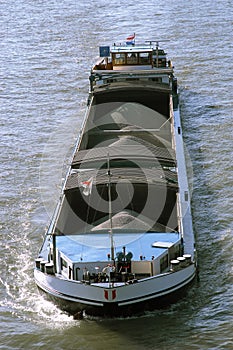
column 156, row 49
column 110, row 210
column 157, row 54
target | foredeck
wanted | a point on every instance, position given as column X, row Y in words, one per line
column 94, row 247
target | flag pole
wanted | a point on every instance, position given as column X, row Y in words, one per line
column 110, row 209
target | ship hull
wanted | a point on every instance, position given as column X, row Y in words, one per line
column 121, row 240
column 117, row 301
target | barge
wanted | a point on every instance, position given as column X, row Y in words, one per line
column 121, row 239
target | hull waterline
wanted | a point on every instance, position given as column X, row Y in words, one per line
column 73, row 298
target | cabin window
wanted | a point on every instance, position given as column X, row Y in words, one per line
column 144, row 58
column 119, row 58
column 63, row 263
column 174, row 252
column 163, row 263
column 161, row 61
column 132, row 58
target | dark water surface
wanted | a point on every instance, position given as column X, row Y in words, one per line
column 46, row 51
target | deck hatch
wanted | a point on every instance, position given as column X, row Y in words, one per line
column 128, row 152
column 157, row 176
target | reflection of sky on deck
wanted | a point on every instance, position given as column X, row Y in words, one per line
column 96, row 247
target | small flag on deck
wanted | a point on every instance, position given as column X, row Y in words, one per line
column 87, row 186
column 130, row 40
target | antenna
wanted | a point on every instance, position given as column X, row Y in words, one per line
column 156, row 41
column 152, row 41
column 110, row 209
column 157, row 49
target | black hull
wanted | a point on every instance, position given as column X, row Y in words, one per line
column 113, row 310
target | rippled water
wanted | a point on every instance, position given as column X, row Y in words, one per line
column 47, row 48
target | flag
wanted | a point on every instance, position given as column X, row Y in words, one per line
column 87, row 186
column 130, row 40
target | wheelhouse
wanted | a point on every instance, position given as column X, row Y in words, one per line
column 120, row 57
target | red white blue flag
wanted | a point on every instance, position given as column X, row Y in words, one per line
column 130, row 40
column 87, row 186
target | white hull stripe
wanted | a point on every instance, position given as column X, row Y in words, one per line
column 60, row 295
column 120, row 303
column 158, row 294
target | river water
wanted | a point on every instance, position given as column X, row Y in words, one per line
column 46, row 51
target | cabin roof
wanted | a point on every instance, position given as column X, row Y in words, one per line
column 95, row 247
column 132, row 49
